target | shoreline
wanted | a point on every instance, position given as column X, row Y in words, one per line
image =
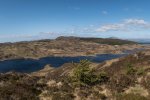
column 81, row 54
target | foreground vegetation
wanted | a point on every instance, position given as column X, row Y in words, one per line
column 127, row 78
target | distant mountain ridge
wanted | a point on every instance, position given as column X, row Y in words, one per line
column 109, row 41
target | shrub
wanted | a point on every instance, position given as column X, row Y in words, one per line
column 59, row 96
column 103, row 77
column 140, row 71
column 84, row 75
column 130, row 70
column 19, row 87
column 130, row 97
column 146, row 82
column 19, row 91
column 98, row 96
column 120, row 82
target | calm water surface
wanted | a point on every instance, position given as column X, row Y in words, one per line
column 31, row 65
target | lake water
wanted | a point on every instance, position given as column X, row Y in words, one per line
column 31, row 65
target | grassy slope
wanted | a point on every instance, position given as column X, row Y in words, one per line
column 126, row 78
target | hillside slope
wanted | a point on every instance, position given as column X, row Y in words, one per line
column 64, row 46
column 126, row 78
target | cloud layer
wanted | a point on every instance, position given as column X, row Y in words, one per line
column 125, row 25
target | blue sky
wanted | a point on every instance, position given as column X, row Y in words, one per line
column 38, row 19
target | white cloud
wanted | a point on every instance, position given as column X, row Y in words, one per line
column 110, row 27
column 49, row 33
column 127, row 24
column 136, row 21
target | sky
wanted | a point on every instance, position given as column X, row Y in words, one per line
column 22, row 20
